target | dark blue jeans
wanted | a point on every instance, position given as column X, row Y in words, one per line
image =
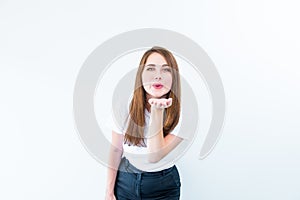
column 134, row 184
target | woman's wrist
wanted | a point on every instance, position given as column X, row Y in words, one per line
column 157, row 111
column 109, row 191
column 155, row 122
column 156, row 117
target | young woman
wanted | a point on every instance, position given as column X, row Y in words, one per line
column 140, row 165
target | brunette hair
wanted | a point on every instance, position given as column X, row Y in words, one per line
column 135, row 130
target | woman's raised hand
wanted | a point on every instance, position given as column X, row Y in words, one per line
column 160, row 103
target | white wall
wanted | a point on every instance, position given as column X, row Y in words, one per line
column 255, row 46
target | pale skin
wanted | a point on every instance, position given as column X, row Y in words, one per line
column 156, row 71
column 158, row 145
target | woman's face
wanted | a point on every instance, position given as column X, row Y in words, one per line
column 156, row 76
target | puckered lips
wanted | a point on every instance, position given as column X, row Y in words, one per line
column 158, row 85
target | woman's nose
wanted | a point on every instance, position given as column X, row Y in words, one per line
column 158, row 76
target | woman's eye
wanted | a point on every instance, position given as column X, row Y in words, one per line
column 167, row 69
column 150, row 69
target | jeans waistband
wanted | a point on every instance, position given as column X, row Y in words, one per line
column 126, row 166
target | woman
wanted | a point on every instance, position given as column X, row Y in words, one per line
column 139, row 163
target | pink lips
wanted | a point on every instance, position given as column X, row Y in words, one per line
column 157, row 86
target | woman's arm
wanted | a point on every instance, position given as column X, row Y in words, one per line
column 116, row 151
column 158, row 145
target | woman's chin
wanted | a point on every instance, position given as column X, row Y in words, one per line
column 158, row 96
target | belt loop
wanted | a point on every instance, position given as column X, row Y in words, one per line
column 126, row 164
column 138, row 184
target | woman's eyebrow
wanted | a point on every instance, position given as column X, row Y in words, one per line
column 152, row 65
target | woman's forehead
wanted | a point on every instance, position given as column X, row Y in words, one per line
column 156, row 59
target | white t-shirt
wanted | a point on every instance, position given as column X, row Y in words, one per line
column 136, row 155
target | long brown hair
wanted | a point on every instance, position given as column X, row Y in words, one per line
column 135, row 130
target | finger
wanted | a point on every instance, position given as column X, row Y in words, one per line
column 150, row 101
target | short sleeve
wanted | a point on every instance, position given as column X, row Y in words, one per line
column 114, row 126
column 181, row 132
column 176, row 130
column 117, row 121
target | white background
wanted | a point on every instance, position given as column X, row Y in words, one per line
column 254, row 44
